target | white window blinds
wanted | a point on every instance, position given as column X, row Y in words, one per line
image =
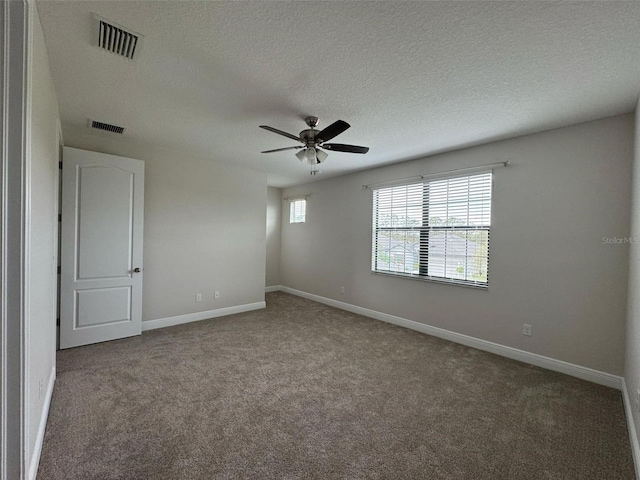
column 297, row 210
column 437, row 230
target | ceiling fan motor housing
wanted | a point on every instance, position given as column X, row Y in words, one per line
column 308, row 137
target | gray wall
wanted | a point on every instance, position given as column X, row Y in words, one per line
column 204, row 228
column 274, row 216
column 42, row 258
column 566, row 190
column 632, row 364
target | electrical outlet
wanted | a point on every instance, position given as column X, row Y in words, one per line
column 217, row 294
column 526, row 329
column 341, row 289
column 198, row 297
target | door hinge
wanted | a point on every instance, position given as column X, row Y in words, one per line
column 59, row 270
column 57, row 322
column 60, row 165
column 59, row 217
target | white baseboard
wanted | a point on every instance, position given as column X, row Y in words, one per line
column 37, row 448
column 195, row 317
column 631, row 427
column 273, row 288
column 567, row 368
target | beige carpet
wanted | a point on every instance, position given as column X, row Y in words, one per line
column 305, row 391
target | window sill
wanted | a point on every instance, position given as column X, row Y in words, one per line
column 431, row 280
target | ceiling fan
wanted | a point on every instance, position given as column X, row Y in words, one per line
column 313, row 142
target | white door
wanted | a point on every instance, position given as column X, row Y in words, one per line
column 101, row 251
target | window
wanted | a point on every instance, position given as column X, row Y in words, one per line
column 297, row 210
column 437, row 230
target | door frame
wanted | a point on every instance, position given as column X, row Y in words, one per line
column 15, row 228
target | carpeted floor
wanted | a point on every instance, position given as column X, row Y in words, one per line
column 301, row 390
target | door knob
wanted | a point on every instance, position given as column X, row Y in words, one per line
column 136, row 270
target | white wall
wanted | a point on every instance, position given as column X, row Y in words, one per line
column 43, row 240
column 566, row 190
column 632, row 364
column 204, row 228
column 274, row 219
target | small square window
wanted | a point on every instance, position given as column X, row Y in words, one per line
column 297, row 210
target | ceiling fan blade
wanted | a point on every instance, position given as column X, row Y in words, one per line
column 333, row 130
column 282, row 149
column 341, row 147
column 280, row 132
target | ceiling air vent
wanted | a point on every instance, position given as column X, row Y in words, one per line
column 115, row 38
column 106, row 127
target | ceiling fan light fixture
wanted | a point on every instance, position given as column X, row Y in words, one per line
column 321, row 155
column 311, row 155
column 301, row 155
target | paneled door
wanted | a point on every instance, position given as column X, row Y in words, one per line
column 101, row 247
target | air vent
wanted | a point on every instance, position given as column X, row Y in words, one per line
column 116, row 39
column 106, row 127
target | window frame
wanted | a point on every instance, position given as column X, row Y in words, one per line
column 425, row 231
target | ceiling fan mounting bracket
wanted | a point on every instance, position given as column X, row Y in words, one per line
column 311, row 121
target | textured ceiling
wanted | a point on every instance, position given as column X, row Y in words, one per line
column 412, row 78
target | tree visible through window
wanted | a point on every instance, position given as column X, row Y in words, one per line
column 297, row 210
column 436, row 230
